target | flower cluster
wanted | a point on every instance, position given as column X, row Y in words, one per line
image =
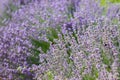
column 61, row 40
column 14, row 50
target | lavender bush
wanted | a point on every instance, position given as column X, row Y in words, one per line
column 61, row 40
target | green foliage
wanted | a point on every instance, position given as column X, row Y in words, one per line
column 41, row 20
column 5, row 15
column 50, row 75
column 88, row 77
column 118, row 68
column 91, row 76
column 82, row 70
column 69, row 60
column 52, row 34
column 95, row 72
column 75, row 36
column 87, row 53
column 115, row 1
column 95, row 24
column 116, row 41
column 33, row 60
column 103, row 3
column 101, row 41
column 35, row 51
column 34, row 57
column 22, row 76
column 71, row 10
column 69, row 72
column 1, row 23
column 41, row 44
column 69, row 51
column 115, row 21
column 12, row 7
column 106, row 60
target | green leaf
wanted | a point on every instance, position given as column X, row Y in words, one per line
column 52, row 34
column 95, row 71
column 75, row 36
column 22, row 76
column 106, row 60
column 50, row 37
column 41, row 20
column 44, row 45
column 50, row 75
column 13, row 7
column 6, row 15
column 70, row 61
column 69, row 17
column 82, row 70
column 33, row 60
column 67, row 45
column 116, row 43
column 69, row 51
column 41, row 43
column 119, row 56
column 69, row 73
column 88, row 77
column 103, row 3
column 35, row 51
column 115, row 1
column 108, row 68
column 71, row 9
column 87, row 53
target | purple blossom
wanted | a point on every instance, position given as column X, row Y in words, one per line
column 87, row 43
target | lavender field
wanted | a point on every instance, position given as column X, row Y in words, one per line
column 60, row 40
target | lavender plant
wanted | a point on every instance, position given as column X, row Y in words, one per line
column 14, row 51
column 61, row 40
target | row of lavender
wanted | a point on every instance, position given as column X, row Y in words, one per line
column 61, row 40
